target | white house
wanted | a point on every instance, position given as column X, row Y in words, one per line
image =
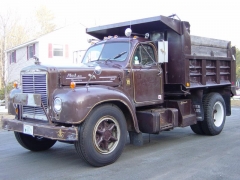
column 64, row 45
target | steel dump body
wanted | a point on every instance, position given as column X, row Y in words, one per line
column 211, row 62
column 194, row 62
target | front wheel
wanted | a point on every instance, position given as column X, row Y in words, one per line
column 102, row 136
column 214, row 114
column 34, row 143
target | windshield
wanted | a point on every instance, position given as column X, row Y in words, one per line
column 108, row 51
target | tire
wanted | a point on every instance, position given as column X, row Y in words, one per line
column 214, row 114
column 102, row 136
column 34, row 143
column 197, row 128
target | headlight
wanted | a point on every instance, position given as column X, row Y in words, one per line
column 57, row 105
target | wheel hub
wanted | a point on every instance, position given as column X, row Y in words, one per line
column 218, row 114
column 106, row 135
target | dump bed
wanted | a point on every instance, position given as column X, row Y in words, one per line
column 193, row 61
column 210, row 63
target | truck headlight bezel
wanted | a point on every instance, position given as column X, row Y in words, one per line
column 57, row 105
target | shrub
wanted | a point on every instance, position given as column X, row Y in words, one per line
column 2, row 91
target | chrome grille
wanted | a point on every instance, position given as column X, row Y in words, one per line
column 36, row 84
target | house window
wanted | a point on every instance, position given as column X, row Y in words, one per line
column 57, row 50
column 13, row 57
column 31, row 51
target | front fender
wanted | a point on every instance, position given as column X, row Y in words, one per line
column 78, row 103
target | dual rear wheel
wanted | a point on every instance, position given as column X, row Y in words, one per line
column 214, row 116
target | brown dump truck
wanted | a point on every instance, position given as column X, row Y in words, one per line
column 143, row 76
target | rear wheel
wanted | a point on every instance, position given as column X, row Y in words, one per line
column 214, row 114
column 34, row 143
column 102, row 136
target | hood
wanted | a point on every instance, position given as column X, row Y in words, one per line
column 81, row 76
column 80, row 73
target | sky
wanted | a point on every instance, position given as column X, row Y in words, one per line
column 208, row 18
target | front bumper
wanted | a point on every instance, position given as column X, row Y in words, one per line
column 46, row 130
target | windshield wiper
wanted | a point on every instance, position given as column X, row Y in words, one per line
column 117, row 56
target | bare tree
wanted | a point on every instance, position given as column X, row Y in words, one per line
column 3, row 28
column 11, row 34
column 14, row 32
column 45, row 19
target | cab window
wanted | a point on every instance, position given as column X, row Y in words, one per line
column 143, row 55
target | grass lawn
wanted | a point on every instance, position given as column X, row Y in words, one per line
column 235, row 103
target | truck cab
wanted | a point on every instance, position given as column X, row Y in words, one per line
column 141, row 78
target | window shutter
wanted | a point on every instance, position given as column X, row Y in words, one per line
column 10, row 58
column 66, row 51
column 50, row 51
column 27, row 53
column 33, row 49
column 15, row 57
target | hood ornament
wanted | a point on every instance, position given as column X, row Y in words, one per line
column 97, row 71
column 36, row 60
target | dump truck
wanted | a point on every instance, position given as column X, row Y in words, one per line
column 141, row 76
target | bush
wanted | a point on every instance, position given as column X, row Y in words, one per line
column 2, row 91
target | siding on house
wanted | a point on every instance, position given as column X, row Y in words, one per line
column 71, row 38
column 13, row 68
column 53, row 48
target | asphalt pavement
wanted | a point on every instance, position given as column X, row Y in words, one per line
column 177, row 154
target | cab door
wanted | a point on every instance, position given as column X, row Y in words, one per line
column 147, row 76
